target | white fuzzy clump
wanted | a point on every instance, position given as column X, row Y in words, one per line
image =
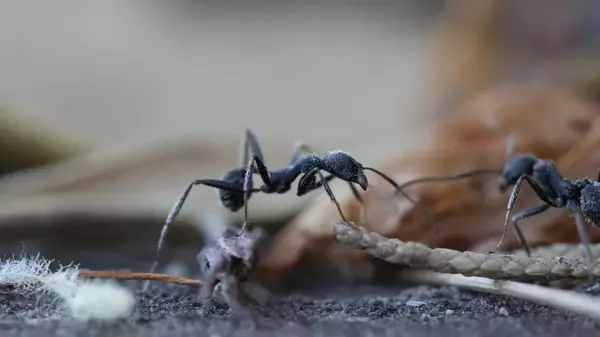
column 86, row 300
column 101, row 301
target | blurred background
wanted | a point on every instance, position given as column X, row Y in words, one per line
column 109, row 108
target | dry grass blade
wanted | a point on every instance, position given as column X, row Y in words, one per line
column 561, row 299
column 495, row 266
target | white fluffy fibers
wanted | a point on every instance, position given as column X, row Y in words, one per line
column 86, row 300
column 101, row 301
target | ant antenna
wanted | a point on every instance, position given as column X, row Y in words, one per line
column 450, row 177
column 585, row 239
column 399, row 190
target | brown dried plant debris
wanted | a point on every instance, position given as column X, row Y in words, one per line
column 545, row 122
column 123, row 275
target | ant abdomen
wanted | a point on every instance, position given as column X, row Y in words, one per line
column 231, row 200
column 590, row 203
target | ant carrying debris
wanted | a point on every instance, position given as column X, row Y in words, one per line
column 579, row 196
column 236, row 186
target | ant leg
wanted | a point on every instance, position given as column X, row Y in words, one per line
column 513, row 198
column 575, row 209
column 299, row 149
column 220, row 184
column 360, row 199
column 429, row 216
column 598, row 178
column 522, row 215
column 331, row 196
column 250, row 144
column 304, row 186
column 248, row 191
column 308, row 187
column 308, row 183
column 540, row 192
column 248, row 188
column 511, row 203
column 355, row 192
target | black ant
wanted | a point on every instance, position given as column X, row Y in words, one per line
column 580, row 196
column 236, row 186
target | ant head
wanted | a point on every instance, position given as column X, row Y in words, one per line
column 515, row 167
column 343, row 166
column 590, row 202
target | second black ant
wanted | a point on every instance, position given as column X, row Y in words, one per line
column 581, row 197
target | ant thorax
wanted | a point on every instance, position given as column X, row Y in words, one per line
column 308, row 162
column 547, row 175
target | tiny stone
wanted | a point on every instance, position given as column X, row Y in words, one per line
column 449, row 312
column 503, row 311
column 413, row 303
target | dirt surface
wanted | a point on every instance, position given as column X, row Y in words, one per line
column 364, row 311
column 307, row 302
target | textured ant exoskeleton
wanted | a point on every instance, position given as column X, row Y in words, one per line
column 236, row 186
column 581, row 197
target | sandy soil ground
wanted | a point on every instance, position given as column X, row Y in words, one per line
column 307, row 303
column 366, row 311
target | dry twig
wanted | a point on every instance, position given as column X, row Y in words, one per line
column 119, row 275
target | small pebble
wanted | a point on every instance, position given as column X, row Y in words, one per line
column 503, row 311
column 449, row 312
column 413, row 303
